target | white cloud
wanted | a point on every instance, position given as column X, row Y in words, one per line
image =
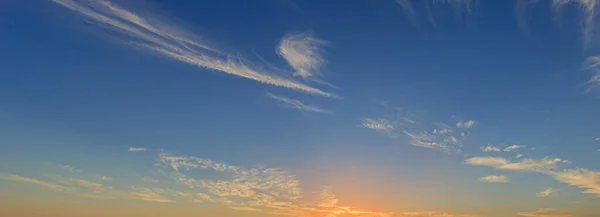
column 519, row 156
column 380, row 125
column 303, row 52
column 70, row 168
column 592, row 64
column 466, row 124
column 495, row 178
column 46, row 184
column 582, row 178
column 105, row 178
column 428, row 140
column 136, row 149
column 160, row 37
column 546, row 193
column 547, row 212
column 512, row 147
column 297, row 104
column 490, row 148
column 150, row 194
column 597, row 139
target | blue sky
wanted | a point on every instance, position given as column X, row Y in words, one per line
column 300, row 108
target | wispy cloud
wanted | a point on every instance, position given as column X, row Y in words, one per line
column 495, row 178
column 136, row 149
column 460, row 6
column 297, row 104
column 466, row 124
column 592, row 64
column 150, row 194
column 547, row 212
column 546, row 193
column 106, row 178
column 164, row 38
column 402, row 124
column 380, row 125
column 587, row 12
column 490, row 148
column 597, row 139
column 512, row 147
column 70, row 168
column 541, row 165
column 582, row 178
column 50, row 185
column 303, row 52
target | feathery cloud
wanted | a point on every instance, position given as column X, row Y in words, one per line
column 512, row 147
column 303, row 52
column 136, row 149
column 546, row 193
column 547, row 212
column 592, row 64
column 466, row 124
column 582, row 178
column 409, row 9
column 163, row 38
column 150, row 194
column 519, row 156
column 587, row 13
column 495, row 178
column 50, row 185
column 490, row 148
column 297, row 104
column 380, row 125
column 70, row 168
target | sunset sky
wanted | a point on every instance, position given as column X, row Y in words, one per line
column 300, row 108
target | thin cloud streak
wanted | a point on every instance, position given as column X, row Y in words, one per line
column 174, row 43
column 136, row 149
column 495, row 179
column 547, row 212
column 296, row 104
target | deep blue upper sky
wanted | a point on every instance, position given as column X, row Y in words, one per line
column 76, row 90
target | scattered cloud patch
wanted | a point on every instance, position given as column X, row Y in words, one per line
column 158, row 36
column 495, row 178
column 582, row 178
column 466, row 124
column 136, row 149
column 546, row 193
column 547, row 212
column 380, row 125
column 45, row 184
column 519, row 156
column 106, row 178
column 512, row 147
column 297, row 104
column 490, row 148
column 70, row 169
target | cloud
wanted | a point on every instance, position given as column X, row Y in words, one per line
column 587, row 13
column 466, row 124
column 547, row 212
column 149, row 179
column 428, row 140
column 512, row 147
column 410, row 11
column 150, row 194
column 546, row 193
column 592, row 64
column 303, row 52
column 296, row 104
column 45, row 184
column 105, row 178
column 582, row 178
column 134, row 149
column 597, row 139
column 70, row 169
column 490, row 148
column 519, row 156
column 380, row 125
column 541, row 165
column 161, row 37
column 494, row 178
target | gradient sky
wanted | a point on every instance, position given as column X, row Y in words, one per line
column 301, row 108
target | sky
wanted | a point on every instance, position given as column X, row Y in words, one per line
column 300, row 108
